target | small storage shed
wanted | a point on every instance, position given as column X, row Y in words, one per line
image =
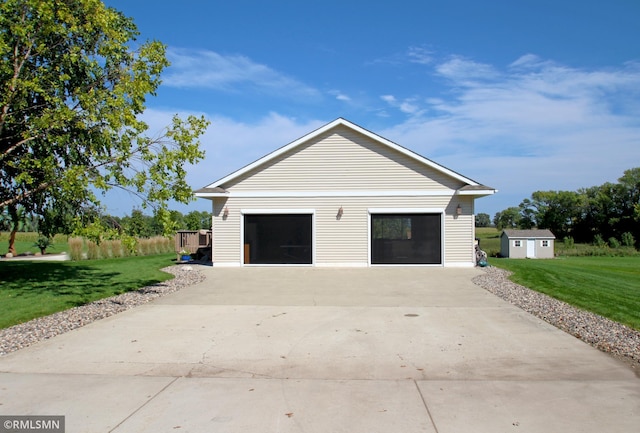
column 530, row 244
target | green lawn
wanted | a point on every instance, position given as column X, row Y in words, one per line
column 34, row 289
column 608, row 286
column 25, row 242
column 489, row 240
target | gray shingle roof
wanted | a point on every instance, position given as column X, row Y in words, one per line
column 529, row 234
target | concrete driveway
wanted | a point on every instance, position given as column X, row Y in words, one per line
column 323, row 350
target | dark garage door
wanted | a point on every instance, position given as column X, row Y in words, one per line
column 278, row 239
column 406, row 239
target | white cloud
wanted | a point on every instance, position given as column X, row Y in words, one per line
column 407, row 106
column 210, row 70
column 527, row 61
column 414, row 54
column 390, row 99
column 464, row 71
column 340, row 96
column 420, row 55
column 536, row 125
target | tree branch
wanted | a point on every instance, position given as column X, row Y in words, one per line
column 10, row 149
column 19, row 197
column 18, row 64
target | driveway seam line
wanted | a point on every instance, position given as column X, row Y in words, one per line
column 424, row 402
column 144, row 404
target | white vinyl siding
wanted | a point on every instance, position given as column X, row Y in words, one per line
column 343, row 241
column 343, row 160
column 459, row 234
column 342, row 167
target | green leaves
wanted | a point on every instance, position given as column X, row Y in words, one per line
column 71, row 92
column 609, row 210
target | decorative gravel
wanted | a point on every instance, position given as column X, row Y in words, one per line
column 600, row 332
column 28, row 333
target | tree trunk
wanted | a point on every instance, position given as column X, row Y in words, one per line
column 12, row 241
column 13, row 212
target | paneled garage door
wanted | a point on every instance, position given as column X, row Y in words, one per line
column 406, row 239
column 278, row 239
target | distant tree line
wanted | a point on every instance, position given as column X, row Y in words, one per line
column 483, row 220
column 137, row 224
column 607, row 212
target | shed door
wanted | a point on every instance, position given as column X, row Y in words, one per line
column 531, row 248
column 406, row 239
column 277, row 239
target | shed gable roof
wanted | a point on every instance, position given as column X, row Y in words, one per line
column 465, row 186
column 539, row 234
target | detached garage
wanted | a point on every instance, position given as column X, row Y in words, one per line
column 343, row 196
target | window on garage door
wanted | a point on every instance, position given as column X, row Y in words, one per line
column 278, row 239
column 406, row 239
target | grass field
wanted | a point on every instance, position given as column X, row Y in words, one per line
column 35, row 289
column 608, row 286
column 489, row 240
column 25, row 242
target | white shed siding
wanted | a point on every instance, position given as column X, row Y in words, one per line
column 345, row 160
column 510, row 250
column 344, row 241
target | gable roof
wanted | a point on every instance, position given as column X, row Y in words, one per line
column 216, row 188
column 540, row 234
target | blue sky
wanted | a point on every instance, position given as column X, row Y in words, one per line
column 518, row 95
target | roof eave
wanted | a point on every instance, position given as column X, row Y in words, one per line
column 211, row 192
column 479, row 193
column 210, row 195
column 476, row 190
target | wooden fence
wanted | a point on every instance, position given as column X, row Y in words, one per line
column 193, row 241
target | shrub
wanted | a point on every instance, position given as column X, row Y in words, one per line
column 75, row 248
column 43, row 242
column 614, row 243
column 143, row 247
column 129, row 244
column 93, row 251
column 105, row 249
column 162, row 244
column 568, row 242
column 598, row 241
column 628, row 240
column 116, row 248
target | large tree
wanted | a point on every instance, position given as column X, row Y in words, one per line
column 557, row 211
column 483, row 220
column 73, row 83
column 507, row 219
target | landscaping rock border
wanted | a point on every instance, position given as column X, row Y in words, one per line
column 600, row 332
column 42, row 328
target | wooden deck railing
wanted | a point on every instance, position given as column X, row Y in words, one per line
column 192, row 240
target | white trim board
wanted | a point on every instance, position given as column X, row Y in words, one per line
column 283, row 211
